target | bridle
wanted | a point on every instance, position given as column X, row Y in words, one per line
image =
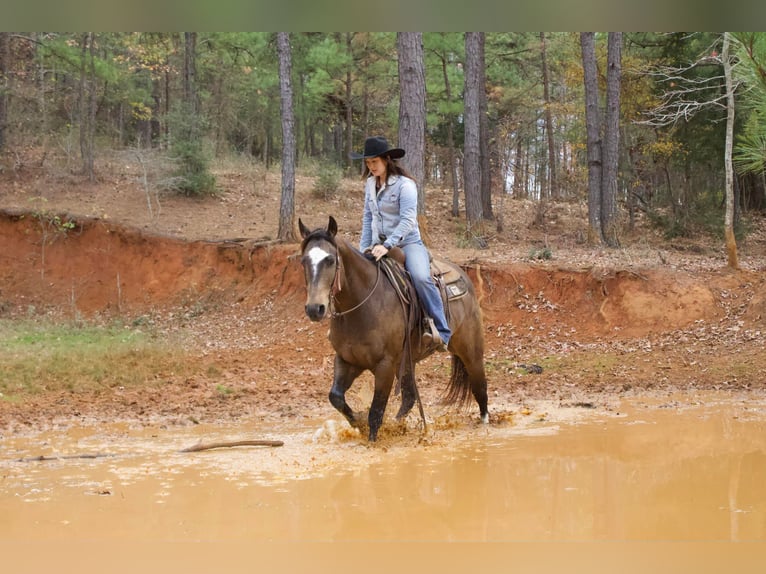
column 337, row 287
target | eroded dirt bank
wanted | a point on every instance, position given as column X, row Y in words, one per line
column 599, row 333
column 93, row 266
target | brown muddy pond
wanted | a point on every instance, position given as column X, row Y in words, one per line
column 685, row 468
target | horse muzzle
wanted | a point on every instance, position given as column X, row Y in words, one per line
column 316, row 311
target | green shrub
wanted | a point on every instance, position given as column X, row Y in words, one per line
column 193, row 175
column 327, row 182
column 544, row 253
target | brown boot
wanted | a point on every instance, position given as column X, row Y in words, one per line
column 431, row 337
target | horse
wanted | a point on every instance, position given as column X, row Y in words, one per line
column 369, row 329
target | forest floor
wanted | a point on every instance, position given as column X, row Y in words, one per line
column 648, row 320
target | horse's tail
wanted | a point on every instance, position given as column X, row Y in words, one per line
column 459, row 390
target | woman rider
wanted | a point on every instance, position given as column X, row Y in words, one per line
column 390, row 219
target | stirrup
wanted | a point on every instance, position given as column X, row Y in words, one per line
column 431, row 336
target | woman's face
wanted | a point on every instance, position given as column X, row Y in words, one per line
column 377, row 166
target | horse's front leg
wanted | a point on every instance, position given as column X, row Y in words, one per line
column 344, row 376
column 384, row 379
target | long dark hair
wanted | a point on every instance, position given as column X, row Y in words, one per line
column 393, row 167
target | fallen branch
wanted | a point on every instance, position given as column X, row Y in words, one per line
column 43, row 458
column 200, row 446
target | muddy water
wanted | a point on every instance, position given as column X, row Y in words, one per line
column 690, row 468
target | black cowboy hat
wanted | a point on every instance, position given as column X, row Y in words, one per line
column 377, row 146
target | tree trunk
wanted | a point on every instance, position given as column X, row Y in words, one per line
column 349, row 106
column 412, row 108
column 5, row 85
column 552, row 187
column 593, row 131
column 190, row 70
column 485, row 169
column 518, row 170
column 286, row 231
column 86, row 99
column 451, row 141
column 472, row 160
column 611, row 140
column 92, row 111
column 731, row 240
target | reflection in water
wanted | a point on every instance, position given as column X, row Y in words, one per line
column 692, row 474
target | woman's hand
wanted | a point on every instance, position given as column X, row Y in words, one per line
column 378, row 251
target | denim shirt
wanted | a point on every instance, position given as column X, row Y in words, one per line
column 392, row 212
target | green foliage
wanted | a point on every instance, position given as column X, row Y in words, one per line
column 339, row 76
column 703, row 215
column 223, row 390
column 50, row 222
column 540, row 254
column 328, row 181
column 193, row 176
column 750, row 147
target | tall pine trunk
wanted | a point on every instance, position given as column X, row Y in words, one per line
column 412, row 108
column 349, row 105
column 286, row 230
column 731, row 240
column 190, row 70
column 609, row 222
column 472, row 160
column 87, row 105
column 5, row 84
column 451, row 141
column 552, row 191
column 593, row 135
column 485, row 170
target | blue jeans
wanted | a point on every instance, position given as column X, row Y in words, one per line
column 418, row 265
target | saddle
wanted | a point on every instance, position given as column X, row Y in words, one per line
column 448, row 280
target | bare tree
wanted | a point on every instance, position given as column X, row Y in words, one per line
column 412, row 107
column 286, row 230
column 688, row 94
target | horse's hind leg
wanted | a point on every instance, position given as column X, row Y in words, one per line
column 477, row 380
column 468, row 372
column 479, row 390
column 344, row 376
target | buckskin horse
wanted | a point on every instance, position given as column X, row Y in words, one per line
column 370, row 328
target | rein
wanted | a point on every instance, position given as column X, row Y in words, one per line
column 336, row 287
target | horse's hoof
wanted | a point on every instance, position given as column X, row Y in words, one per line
column 359, row 421
column 485, row 418
column 405, row 409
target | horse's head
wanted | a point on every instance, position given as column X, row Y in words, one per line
column 319, row 257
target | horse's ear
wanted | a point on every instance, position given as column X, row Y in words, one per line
column 304, row 230
column 332, row 226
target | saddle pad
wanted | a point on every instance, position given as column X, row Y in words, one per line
column 449, row 278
